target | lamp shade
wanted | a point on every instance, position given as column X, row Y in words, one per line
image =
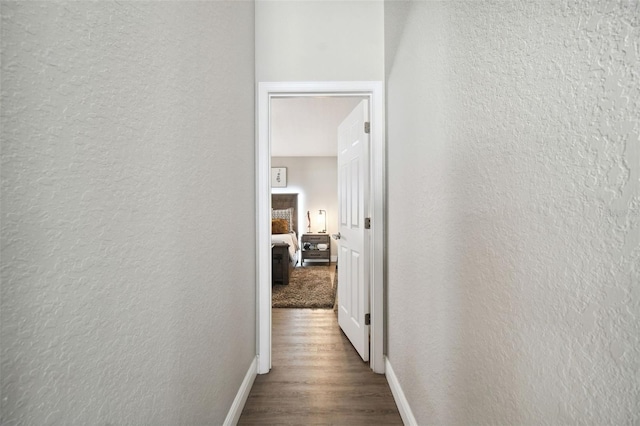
column 322, row 218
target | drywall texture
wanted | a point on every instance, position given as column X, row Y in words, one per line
column 514, row 210
column 128, row 279
column 315, row 180
column 319, row 40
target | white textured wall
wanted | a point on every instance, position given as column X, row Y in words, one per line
column 319, row 40
column 127, row 211
column 315, row 179
column 514, row 210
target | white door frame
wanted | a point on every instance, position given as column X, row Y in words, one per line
column 374, row 91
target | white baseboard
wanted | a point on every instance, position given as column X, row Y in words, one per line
column 398, row 395
column 243, row 393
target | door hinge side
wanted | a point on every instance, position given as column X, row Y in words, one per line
column 367, row 319
column 367, row 223
column 367, row 127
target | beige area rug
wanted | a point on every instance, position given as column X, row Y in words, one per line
column 309, row 287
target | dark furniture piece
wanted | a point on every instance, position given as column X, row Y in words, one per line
column 285, row 201
column 280, row 263
column 310, row 247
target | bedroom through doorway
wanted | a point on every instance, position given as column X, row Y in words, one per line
column 303, row 175
column 304, row 196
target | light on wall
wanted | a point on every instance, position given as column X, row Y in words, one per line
column 322, row 216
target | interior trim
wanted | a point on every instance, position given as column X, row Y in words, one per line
column 377, row 201
column 243, row 393
column 398, row 395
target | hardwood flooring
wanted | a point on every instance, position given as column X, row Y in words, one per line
column 317, row 377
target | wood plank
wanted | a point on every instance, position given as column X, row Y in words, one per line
column 317, row 377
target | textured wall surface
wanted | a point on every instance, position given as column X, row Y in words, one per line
column 127, row 211
column 319, row 40
column 514, row 210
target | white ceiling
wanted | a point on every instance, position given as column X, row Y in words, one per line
column 308, row 126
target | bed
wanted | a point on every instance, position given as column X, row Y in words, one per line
column 284, row 211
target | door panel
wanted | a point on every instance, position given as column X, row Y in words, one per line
column 353, row 280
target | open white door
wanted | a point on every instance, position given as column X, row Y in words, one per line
column 353, row 252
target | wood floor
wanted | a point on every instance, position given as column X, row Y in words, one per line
column 317, row 377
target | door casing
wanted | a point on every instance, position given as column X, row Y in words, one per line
column 373, row 90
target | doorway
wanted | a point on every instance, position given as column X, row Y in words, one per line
column 374, row 93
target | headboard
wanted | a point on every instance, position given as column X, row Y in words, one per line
column 284, row 201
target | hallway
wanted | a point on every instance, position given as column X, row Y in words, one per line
column 317, row 377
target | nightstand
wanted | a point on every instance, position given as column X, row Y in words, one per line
column 311, row 241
